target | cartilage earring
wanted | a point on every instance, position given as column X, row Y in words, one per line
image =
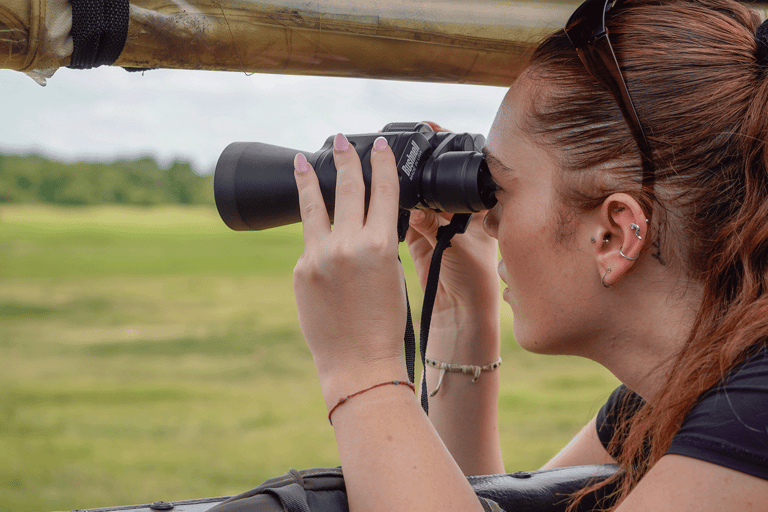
column 602, row 279
column 634, row 227
column 627, row 257
column 593, row 240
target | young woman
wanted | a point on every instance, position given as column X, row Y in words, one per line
column 638, row 240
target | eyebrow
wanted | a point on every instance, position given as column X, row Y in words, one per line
column 490, row 158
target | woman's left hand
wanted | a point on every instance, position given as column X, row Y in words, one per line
column 348, row 283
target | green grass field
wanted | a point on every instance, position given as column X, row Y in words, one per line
column 152, row 354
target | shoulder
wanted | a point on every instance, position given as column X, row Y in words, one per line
column 719, row 458
column 676, row 484
column 729, row 424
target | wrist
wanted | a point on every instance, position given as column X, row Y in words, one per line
column 363, row 391
column 342, row 383
column 466, row 342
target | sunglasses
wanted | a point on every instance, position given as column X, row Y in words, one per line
column 589, row 36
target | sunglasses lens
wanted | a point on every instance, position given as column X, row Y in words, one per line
column 587, row 22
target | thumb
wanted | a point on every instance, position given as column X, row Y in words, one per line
column 425, row 223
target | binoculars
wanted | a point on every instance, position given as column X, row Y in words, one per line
column 255, row 189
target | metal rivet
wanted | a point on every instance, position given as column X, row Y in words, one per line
column 161, row 505
column 521, row 474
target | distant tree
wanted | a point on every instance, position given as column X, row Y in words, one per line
column 142, row 182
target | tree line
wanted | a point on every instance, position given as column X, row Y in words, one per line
column 35, row 179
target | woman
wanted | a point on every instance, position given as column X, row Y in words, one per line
column 638, row 242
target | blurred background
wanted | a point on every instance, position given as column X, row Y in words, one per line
column 149, row 353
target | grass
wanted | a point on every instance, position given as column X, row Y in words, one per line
column 152, row 354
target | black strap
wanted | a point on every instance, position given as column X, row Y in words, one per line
column 409, row 338
column 293, row 497
column 459, row 223
column 99, row 31
column 410, row 342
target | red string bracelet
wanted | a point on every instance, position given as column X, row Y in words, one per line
column 387, row 383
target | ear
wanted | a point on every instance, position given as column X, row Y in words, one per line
column 621, row 230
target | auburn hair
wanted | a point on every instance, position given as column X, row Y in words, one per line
column 701, row 93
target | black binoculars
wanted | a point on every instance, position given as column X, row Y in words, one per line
column 255, row 189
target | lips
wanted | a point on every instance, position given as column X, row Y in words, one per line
column 502, row 270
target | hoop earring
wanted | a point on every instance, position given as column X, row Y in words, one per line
column 627, row 257
column 602, row 279
column 634, row 227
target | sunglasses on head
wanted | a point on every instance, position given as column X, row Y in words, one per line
column 589, row 36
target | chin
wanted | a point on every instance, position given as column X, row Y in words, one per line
column 539, row 343
column 526, row 339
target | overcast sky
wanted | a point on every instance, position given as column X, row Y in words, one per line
column 106, row 113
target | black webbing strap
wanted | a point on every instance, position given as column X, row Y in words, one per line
column 410, row 342
column 458, row 224
column 410, row 336
column 99, row 31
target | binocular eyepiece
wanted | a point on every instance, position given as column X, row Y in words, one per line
column 255, row 189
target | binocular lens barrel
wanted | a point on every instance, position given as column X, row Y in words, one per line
column 254, row 186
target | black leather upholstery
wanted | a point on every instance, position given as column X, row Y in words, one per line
column 536, row 491
column 541, row 491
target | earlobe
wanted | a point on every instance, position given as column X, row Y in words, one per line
column 622, row 229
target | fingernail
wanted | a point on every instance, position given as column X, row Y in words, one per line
column 340, row 143
column 380, row 144
column 300, row 164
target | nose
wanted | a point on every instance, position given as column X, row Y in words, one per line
column 491, row 221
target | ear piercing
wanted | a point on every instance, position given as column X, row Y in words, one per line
column 634, row 227
column 627, row 257
column 602, row 279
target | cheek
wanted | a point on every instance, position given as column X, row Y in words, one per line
column 491, row 221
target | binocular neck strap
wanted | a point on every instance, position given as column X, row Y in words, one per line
column 458, row 224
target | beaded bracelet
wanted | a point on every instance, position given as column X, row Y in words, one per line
column 387, row 383
column 463, row 368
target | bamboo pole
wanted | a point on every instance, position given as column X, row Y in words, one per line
column 480, row 42
column 458, row 41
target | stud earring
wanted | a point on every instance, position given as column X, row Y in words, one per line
column 634, row 227
column 593, row 240
column 602, row 279
column 627, row 257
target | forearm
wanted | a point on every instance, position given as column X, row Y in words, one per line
column 465, row 413
column 393, row 459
